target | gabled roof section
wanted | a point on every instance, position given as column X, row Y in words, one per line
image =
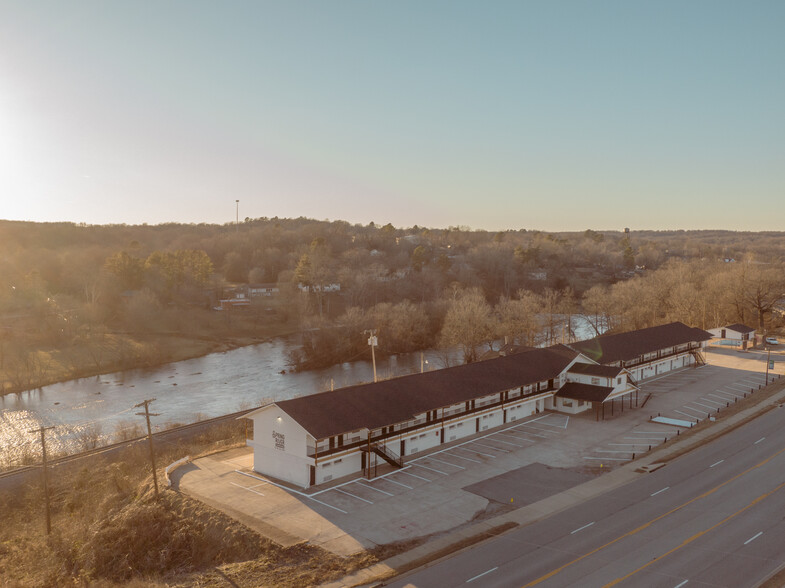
column 393, row 401
column 593, row 369
column 739, row 328
column 576, row 391
column 626, row 346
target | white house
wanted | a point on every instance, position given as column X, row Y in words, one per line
column 735, row 335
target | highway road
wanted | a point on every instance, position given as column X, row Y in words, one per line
column 714, row 517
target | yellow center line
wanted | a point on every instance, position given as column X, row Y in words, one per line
column 696, row 536
column 651, row 522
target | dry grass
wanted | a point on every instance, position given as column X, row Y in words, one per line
column 108, row 530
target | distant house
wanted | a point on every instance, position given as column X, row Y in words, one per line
column 320, row 288
column 259, row 290
column 735, row 335
column 238, row 301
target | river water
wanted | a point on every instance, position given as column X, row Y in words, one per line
column 99, row 409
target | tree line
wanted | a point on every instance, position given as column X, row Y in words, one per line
column 74, row 291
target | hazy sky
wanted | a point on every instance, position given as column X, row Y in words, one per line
column 549, row 115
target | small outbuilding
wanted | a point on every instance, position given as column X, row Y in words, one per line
column 735, row 335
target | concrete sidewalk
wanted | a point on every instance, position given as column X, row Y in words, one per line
column 444, row 546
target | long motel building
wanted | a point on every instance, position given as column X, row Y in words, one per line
column 317, row 438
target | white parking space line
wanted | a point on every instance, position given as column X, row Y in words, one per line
column 564, row 426
column 751, row 381
column 352, row 495
column 693, row 409
column 712, row 401
column 377, row 489
column 540, row 429
column 249, row 488
column 527, row 433
column 515, row 444
column 737, row 387
column 404, row 485
column 608, row 458
column 517, row 437
column 329, row 505
column 659, row 436
column 477, row 452
column 466, row 458
column 409, row 474
column 704, row 405
column 611, row 451
column 494, row 448
column 445, row 462
column 432, row 469
column 692, row 416
column 728, row 398
column 643, row 444
column 660, row 433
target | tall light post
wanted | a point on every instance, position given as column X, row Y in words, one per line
column 373, row 342
column 237, row 215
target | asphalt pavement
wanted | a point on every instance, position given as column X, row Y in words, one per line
column 713, row 517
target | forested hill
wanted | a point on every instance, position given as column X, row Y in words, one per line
column 79, row 299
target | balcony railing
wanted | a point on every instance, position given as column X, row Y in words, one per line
column 422, row 424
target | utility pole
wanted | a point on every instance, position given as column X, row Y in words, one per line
column 373, row 342
column 46, row 483
column 237, row 215
column 147, row 414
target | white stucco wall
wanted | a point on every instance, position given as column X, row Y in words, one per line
column 280, row 446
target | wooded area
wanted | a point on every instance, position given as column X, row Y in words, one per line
column 78, row 300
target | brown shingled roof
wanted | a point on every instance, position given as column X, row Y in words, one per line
column 626, row 346
column 739, row 328
column 393, row 401
column 592, row 369
column 576, row 391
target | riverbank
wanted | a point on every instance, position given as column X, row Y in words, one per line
column 120, row 351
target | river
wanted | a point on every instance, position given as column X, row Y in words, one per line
column 96, row 410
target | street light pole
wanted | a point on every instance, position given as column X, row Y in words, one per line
column 768, row 363
column 237, row 215
column 373, row 342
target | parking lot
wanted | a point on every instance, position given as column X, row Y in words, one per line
column 448, row 487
